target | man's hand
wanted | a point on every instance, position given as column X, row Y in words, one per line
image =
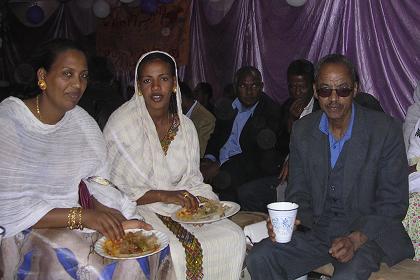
column 209, row 169
column 271, row 233
column 297, row 107
column 284, row 173
column 343, row 248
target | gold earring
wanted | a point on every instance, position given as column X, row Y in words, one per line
column 139, row 92
column 174, row 91
column 42, row 84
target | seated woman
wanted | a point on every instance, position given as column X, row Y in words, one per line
column 50, row 146
column 154, row 153
column 412, row 219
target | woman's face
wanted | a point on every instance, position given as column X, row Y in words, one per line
column 156, row 83
column 66, row 80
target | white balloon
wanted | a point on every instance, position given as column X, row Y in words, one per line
column 101, row 9
column 84, row 4
column 126, row 1
column 296, row 3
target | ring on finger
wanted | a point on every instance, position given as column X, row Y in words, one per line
column 185, row 194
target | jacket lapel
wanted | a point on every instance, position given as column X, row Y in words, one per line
column 320, row 162
column 356, row 151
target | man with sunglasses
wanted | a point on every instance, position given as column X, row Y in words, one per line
column 348, row 173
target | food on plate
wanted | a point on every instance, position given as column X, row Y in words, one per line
column 206, row 210
column 133, row 244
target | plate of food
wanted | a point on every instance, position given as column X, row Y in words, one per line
column 137, row 243
column 208, row 211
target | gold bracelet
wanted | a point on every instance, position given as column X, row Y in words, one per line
column 80, row 225
column 74, row 213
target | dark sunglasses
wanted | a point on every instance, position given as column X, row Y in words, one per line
column 326, row 92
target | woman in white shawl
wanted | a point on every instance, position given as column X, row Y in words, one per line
column 154, row 153
column 50, row 149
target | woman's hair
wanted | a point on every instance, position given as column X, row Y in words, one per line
column 46, row 54
column 157, row 56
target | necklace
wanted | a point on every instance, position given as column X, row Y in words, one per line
column 37, row 107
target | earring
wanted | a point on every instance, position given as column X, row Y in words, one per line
column 174, row 91
column 139, row 92
column 42, row 84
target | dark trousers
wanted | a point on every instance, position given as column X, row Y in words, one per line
column 306, row 252
column 255, row 195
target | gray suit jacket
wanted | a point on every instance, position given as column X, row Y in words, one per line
column 375, row 179
column 204, row 122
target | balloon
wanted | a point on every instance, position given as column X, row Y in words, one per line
column 166, row 1
column 149, row 6
column 126, row 1
column 84, row 4
column 101, row 9
column 35, row 14
column 296, row 3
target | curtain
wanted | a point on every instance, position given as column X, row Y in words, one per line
column 381, row 37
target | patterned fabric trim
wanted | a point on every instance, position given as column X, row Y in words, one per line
column 170, row 136
column 193, row 250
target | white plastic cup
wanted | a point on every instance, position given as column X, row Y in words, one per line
column 283, row 216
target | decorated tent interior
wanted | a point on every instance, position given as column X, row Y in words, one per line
column 211, row 39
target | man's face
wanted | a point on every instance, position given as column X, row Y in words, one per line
column 299, row 87
column 335, row 76
column 249, row 90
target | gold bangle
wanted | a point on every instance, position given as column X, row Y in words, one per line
column 80, row 225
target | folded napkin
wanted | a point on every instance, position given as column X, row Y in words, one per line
column 255, row 232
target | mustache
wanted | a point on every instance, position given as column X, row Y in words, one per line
column 334, row 104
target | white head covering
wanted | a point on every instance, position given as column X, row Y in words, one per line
column 413, row 115
column 138, row 163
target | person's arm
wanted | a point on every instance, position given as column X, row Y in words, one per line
column 179, row 197
column 391, row 194
column 106, row 223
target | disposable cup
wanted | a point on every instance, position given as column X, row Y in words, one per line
column 283, row 216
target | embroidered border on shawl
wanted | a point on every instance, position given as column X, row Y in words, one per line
column 193, row 250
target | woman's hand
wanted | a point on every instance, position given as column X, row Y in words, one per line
column 181, row 197
column 134, row 224
column 107, row 223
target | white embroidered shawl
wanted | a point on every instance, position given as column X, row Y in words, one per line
column 42, row 165
column 138, row 163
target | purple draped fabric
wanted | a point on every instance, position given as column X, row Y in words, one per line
column 381, row 37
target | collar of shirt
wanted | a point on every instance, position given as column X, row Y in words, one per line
column 336, row 146
column 308, row 109
column 188, row 114
column 236, row 104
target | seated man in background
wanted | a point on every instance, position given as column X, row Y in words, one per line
column 255, row 195
column 203, row 120
column 203, row 93
column 348, row 174
column 243, row 146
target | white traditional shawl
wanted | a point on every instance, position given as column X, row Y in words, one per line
column 138, row 163
column 413, row 115
column 42, row 165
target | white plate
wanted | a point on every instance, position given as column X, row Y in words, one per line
column 162, row 239
column 234, row 208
